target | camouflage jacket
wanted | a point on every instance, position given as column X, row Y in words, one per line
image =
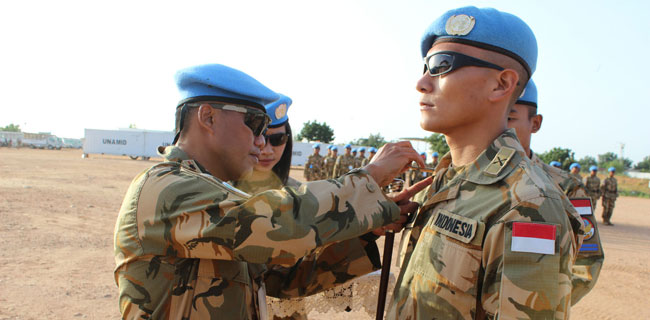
column 609, row 188
column 314, row 167
column 466, row 257
column 589, row 262
column 365, row 161
column 358, row 161
column 344, row 163
column 189, row 246
column 328, row 167
column 592, row 186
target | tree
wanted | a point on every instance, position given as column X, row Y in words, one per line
column 643, row 165
column 607, row 157
column 438, row 143
column 132, row 126
column 11, row 128
column 314, row 131
column 586, row 162
column 562, row 155
column 374, row 140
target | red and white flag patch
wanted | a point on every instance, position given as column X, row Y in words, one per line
column 583, row 206
column 533, row 237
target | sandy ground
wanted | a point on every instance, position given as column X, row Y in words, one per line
column 57, row 214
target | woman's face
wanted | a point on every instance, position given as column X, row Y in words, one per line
column 271, row 154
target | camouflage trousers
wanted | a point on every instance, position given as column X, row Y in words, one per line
column 608, row 208
column 594, row 202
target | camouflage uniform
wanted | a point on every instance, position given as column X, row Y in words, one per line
column 459, row 263
column 314, row 167
column 589, row 262
column 344, row 163
column 365, row 161
column 609, row 190
column 328, row 167
column 358, row 161
column 592, row 185
column 188, row 246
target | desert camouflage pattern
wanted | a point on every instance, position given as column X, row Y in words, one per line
column 314, row 167
column 365, row 161
column 344, row 163
column 589, row 262
column 473, row 273
column 592, row 186
column 609, row 190
column 358, row 161
column 328, row 167
column 322, row 269
column 189, row 246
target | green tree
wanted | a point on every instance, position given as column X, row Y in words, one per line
column 374, row 140
column 11, row 127
column 314, row 131
column 437, row 143
column 562, row 155
column 132, row 126
column 643, row 165
column 586, row 162
column 607, row 157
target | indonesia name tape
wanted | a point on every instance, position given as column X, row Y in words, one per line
column 533, row 238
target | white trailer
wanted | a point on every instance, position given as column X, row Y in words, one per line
column 11, row 139
column 41, row 140
column 135, row 143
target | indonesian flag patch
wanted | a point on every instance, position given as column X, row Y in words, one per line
column 533, row 237
column 583, row 206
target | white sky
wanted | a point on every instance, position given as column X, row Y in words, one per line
column 70, row 65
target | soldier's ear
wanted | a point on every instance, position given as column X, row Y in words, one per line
column 505, row 86
column 536, row 122
column 205, row 117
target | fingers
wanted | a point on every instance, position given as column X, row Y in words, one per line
column 410, row 191
column 406, row 209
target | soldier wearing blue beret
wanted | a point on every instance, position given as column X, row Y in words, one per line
column 526, row 120
column 190, row 246
column 609, row 190
column 464, row 253
column 592, row 185
column 361, row 160
column 344, row 162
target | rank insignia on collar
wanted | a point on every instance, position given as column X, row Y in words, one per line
column 281, row 111
column 500, row 161
column 459, row 25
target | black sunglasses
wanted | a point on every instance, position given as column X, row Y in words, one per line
column 276, row 139
column 254, row 119
column 445, row 61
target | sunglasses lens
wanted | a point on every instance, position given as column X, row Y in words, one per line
column 257, row 122
column 277, row 139
column 439, row 63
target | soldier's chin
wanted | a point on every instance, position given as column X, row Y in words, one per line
column 428, row 124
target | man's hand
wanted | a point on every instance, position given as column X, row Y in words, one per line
column 391, row 160
column 406, row 206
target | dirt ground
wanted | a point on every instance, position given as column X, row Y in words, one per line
column 57, row 214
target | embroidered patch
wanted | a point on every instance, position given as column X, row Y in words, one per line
column 583, row 206
column 281, row 111
column 455, row 226
column 589, row 230
column 459, row 25
column 533, row 237
column 589, row 247
column 500, row 161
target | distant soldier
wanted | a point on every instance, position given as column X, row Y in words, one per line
column 329, row 162
column 592, row 185
column 523, row 117
column 574, row 168
column 416, row 175
column 314, row 165
column 358, row 161
column 354, row 152
column 609, row 190
column 344, row 163
column 434, row 163
column 372, row 152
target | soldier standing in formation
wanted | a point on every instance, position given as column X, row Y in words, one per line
column 358, row 161
column 329, row 162
column 315, row 165
column 526, row 120
column 592, row 185
column 190, row 246
column 344, row 162
column 609, row 190
column 371, row 153
column 434, row 162
column 574, row 169
column 494, row 237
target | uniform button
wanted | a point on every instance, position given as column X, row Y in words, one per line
column 371, row 187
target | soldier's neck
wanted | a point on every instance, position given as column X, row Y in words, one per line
column 466, row 146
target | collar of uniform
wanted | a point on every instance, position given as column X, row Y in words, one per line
column 478, row 172
column 176, row 154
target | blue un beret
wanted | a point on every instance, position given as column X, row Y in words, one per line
column 316, row 146
column 611, row 169
column 556, row 164
column 335, row 148
column 574, row 165
column 362, row 149
column 593, row 168
column 277, row 110
column 529, row 96
column 373, row 150
column 485, row 28
column 348, row 146
column 435, row 154
column 330, row 147
column 423, row 153
column 221, row 83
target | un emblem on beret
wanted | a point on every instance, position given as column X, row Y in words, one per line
column 281, row 111
column 459, row 25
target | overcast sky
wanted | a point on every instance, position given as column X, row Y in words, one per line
column 70, row 65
